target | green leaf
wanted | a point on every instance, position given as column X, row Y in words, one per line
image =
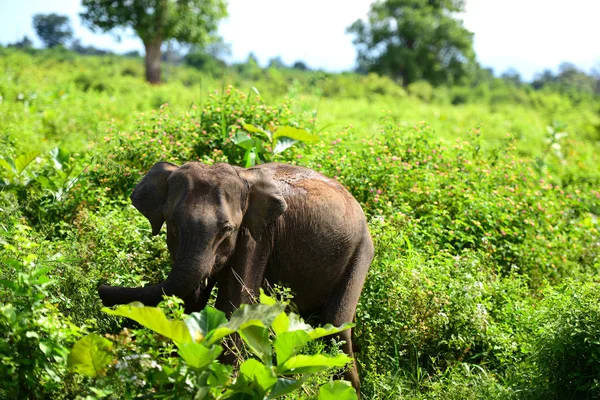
column 250, row 158
column 328, row 330
column 303, row 364
column 153, row 318
column 254, row 371
column 220, row 375
column 242, row 140
column 253, row 129
column 22, row 161
column 8, row 165
column 264, row 299
column 337, row 390
column 197, row 355
column 201, row 323
column 247, row 315
column 9, row 284
column 257, row 338
column 297, row 323
column 90, row 355
column 45, row 347
column 288, row 344
column 285, row 386
column 281, row 323
column 283, row 143
column 298, row 134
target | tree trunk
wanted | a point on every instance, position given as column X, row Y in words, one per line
column 153, row 60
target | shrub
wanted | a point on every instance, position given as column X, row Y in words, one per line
column 567, row 348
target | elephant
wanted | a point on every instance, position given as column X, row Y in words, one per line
column 243, row 229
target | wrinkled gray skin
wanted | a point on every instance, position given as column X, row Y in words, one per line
column 274, row 223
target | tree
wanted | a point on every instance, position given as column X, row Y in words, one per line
column 301, row 65
column 512, row 76
column 155, row 21
column 276, row 62
column 24, row 43
column 53, row 29
column 412, row 40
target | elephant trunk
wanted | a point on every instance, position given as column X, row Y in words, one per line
column 184, row 278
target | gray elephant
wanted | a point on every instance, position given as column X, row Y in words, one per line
column 243, row 228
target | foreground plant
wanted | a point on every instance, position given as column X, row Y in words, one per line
column 278, row 368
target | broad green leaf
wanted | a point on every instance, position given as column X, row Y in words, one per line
column 250, row 158
column 297, row 323
column 253, row 129
column 281, row 323
column 328, row 330
column 242, row 140
column 197, row 355
column 337, row 390
column 8, row 165
column 220, row 374
column 254, row 371
column 257, row 338
column 247, row 315
column 90, row 355
column 201, row 323
column 264, row 299
column 155, row 319
column 303, row 364
column 283, row 143
column 285, row 386
column 22, row 161
column 287, row 344
column 298, row 134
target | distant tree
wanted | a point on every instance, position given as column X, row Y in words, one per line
column 77, row 47
column 596, row 76
column 132, row 53
column 415, row 40
column 204, row 61
column 252, row 60
column 24, row 43
column 276, row 62
column 218, row 48
column 543, row 79
column 569, row 79
column 512, row 76
column 52, row 29
column 155, row 21
column 300, row 65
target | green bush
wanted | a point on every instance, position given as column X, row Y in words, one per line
column 34, row 335
column 567, row 346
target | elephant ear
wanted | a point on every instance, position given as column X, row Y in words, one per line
column 265, row 201
column 150, row 195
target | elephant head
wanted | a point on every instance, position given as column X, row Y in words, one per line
column 205, row 208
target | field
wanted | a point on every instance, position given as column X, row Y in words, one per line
column 483, row 204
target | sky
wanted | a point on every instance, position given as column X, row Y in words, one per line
column 528, row 35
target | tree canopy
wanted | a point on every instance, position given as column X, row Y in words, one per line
column 155, row 21
column 52, row 29
column 412, row 40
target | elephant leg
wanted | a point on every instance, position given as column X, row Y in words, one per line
column 340, row 307
column 198, row 299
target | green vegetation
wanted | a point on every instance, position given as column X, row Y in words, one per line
column 482, row 199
